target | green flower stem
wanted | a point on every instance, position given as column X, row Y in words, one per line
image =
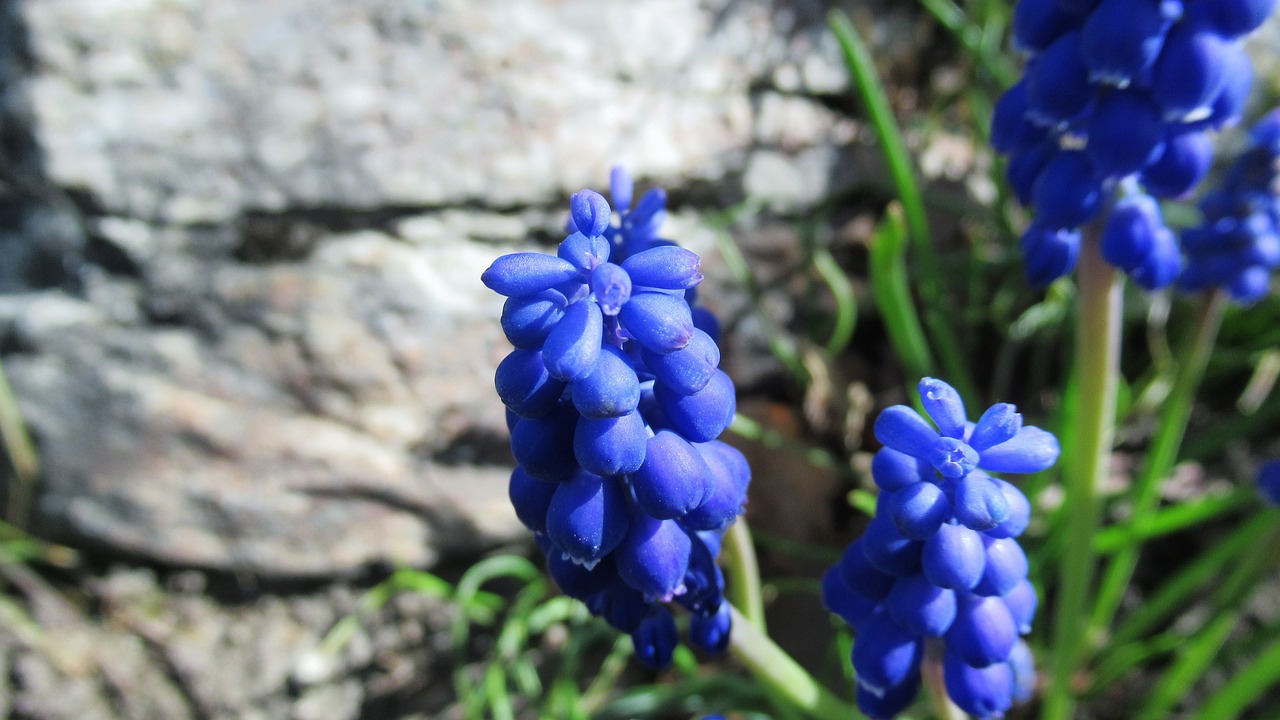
column 743, row 579
column 781, row 675
column 1172, row 426
column 1097, row 362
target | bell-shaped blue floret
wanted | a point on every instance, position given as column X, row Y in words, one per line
column 658, row 321
column 1058, row 87
column 954, row 557
column 998, row 423
column 1269, row 482
column 984, row 631
column 584, row 252
column 1250, row 285
column 860, row 576
column 703, row 415
column 1023, row 665
column 1067, row 194
column 918, row 510
column 980, row 504
column 587, row 517
column 1125, row 133
column 1019, row 511
column 1229, row 106
column 1021, row 602
column 1078, row 7
column 640, row 225
column 1162, row 264
column 1182, row 164
column 893, row 470
column 944, row 406
column 590, row 212
column 611, row 286
column 1129, row 235
column 703, row 579
column 888, row 550
column 1122, row 38
column 885, row 654
column 1190, row 72
column 852, row 607
column 622, row 606
column 526, row 273
column 611, row 445
column 921, row 607
column 527, row 320
column 890, row 702
column 525, row 386
column 573, row 345
column 654, row 557
column 1006, row 566
column 1048, row 254
column 727, row 480
column 543, row 446
column 610, row 390
column 1010, row 129
column 1234, row 18
column 689, row 369
column 667, row 267
column 578, row 581
column 902, row 429
column 621, row 187
column 1026, row 165
column 672, row 480
column 530, row 497
column 710, row 633
column 1037, row 23
column 1030, row 451
column 656, row 638
column 984, row 692
column 952, row 458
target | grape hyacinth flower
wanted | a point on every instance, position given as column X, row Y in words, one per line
column 1118, row 95
column 1237, row 246
column 940, row 561
column 615, row 401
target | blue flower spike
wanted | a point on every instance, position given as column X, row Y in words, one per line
column 615, row 401
column 940, row 559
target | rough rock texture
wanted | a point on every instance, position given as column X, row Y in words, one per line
column 241, row 306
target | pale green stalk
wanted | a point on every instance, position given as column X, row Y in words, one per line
column 742, row 581
column 1097, row 362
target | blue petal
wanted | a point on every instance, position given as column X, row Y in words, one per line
column 667, row 267
column 1019, row 511
column 893, row 470
column 688, row 369
column 1006, row 567
column 1190, row 72
column 1022, row 602
column 1049, row 254
column 703, row 415
column 1122, row 38
column 527, row 320
column 610, row 390
column 1031, row 450
column 672, row 480
column 902, row 429
column 1185, row 160
column 918, row 510
column 584, row 252
column 525, row 386
column 656, row 638
column 660, row 322
column 980, row 503
column 952, row 458
column 954, row 557
column 611, row 286
column 544, row 446
column 1058, row 87
column 727, row 480
column 1129, row 235
column 591, row 212
column 983, row 632
column 888, row 550
column 921, row 607
column 999, row 423
column 1067, row 194
column 860, row 576
column 885, row 655
column 854, row 608
column 612, row 445
column 1023, row 666
column 530, row 497
column 1125, row 133
column 587, row 517
column 527, row 273
column 984, row 692
column 1037, row 23
column 944, row 406
column 654, row 557
column 703, row 580
column 573, row 346
column 621, row 187
column 711, row 633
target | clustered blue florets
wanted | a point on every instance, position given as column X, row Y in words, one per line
column 1237, row 245
column 940, row 558
column 1119, row 93
column 615, row 400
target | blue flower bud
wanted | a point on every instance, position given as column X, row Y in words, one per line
column 1023, row 665
column 1228, row 108
column 667, row 267
column 980, row 503
column 1037, row 23
column 525, row 386
column 611, row 445
column 1011, row 131
column 654, row 557
column 703, row 415
column 687, row 370
column 527, row 273
column 902, row 429
column 659, row 321
column 1269, row 482
column 710, row 633
column 590, row 212
column 611, row 286
column 984, row 692
column 888, row 550
column 1026, row 165
column 727, row 481
column 1190, row 72
column 1006, row 566
column 1068, row 193
column 954, row 557
column 531, row 498
column 584, row 252
column 1182, row 164
column 921, row 607
column 610, row 390
column 999, row 423
column 1019, row 511
column 621, row 187
column 918, row 510
column 622, row 606
column 587, row 517
column 527, row 320
column 656, row 638
column 544, row 446
column 893, row 470
column 1125, row 133
column 891, row 701
column 1030, row 451
column 703, row 579
column 952, row 458
column 1122, row 38
column 1048, row 254
column 672, row 480
column 860, row 576
column 1234, row 18
column 573, row 345
column 640, row 226
column 1021, row 602
column 1129, row 234
column 1162, row 264
column 1058, row 87
column 885, row 654
column 984, row 631
column 578, row 581
column 944, row 406
column 837, row 597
